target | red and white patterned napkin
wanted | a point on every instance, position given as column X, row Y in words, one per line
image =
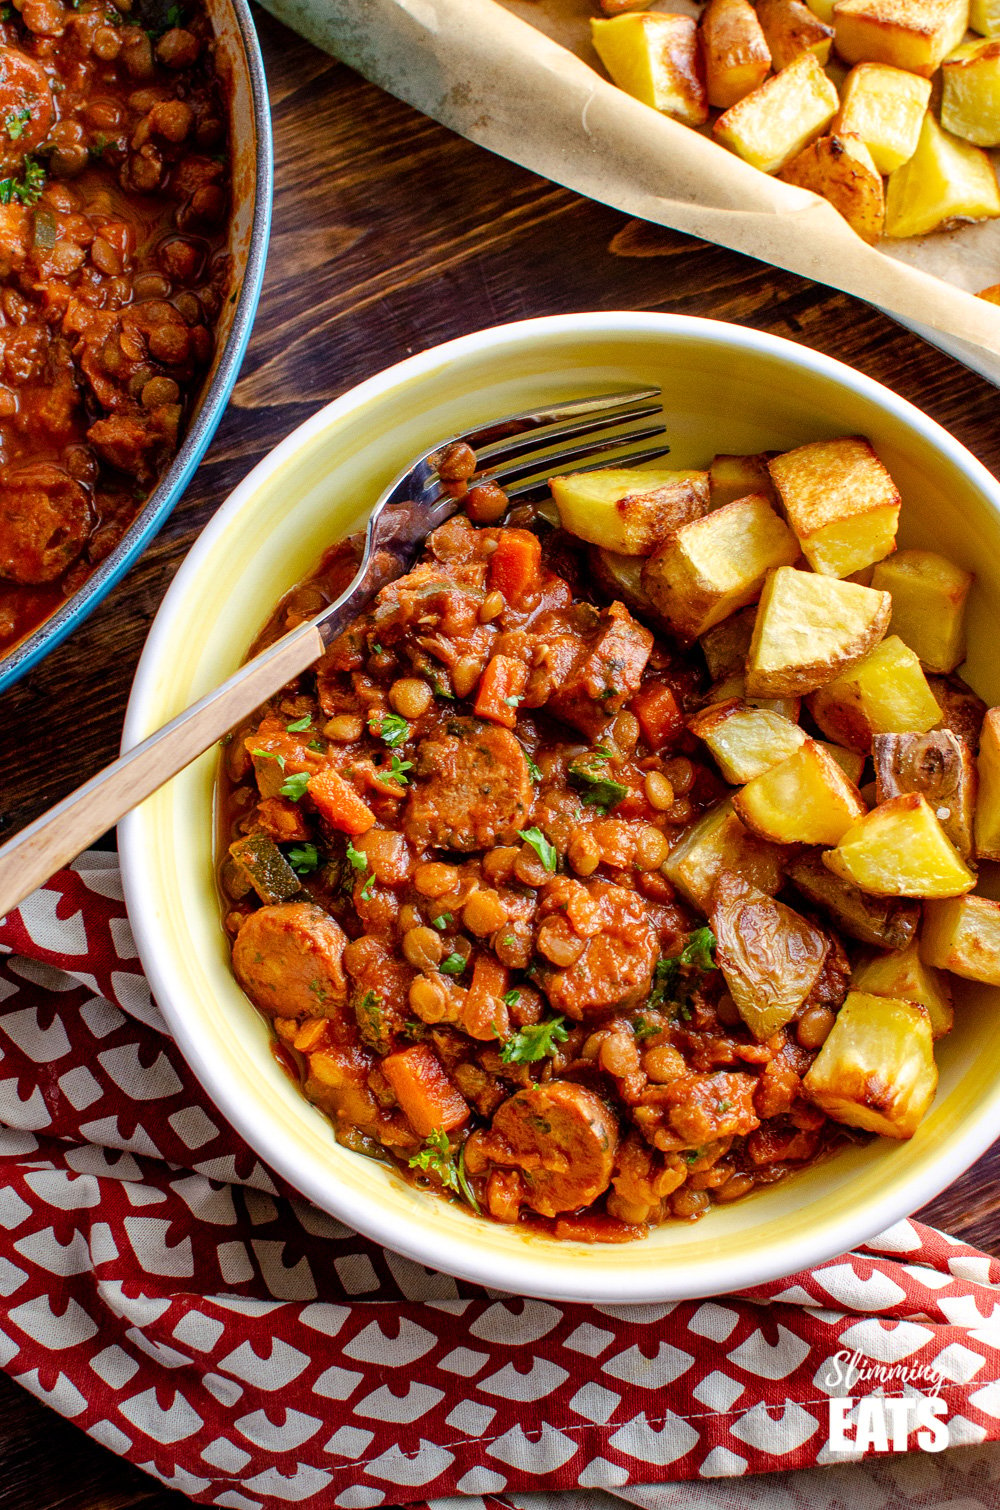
column 167, row 1292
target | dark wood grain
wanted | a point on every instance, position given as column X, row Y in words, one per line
column 390, row 235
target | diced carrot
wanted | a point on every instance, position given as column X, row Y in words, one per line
column 515, row 565
column 484, row 1015
column 426, row 1096
column 338, row 804
column 660, row 719
column 500, row 688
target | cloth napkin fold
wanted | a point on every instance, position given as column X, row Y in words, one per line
column 176, row 1299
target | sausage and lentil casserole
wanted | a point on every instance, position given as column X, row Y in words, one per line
column 114, row 194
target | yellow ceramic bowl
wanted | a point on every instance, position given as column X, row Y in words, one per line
column 725, row 389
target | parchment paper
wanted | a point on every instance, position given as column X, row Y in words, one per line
column 520, row 78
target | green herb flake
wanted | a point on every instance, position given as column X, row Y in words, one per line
column 669, row 986
column 317, row 746
column 300, row 725
column 545, row 851
column 356, row 857
column 534, row 1042
column 368, row 889
column 440, row 690
column 644, row 1027
column 453, row 965
column 294, row 787
column 28, row 188
column 269, row 755
column 692, row 1155
column 699, row 951
column 725, row 1106
column 398, row 769
column 437, row 1158
column 513, row 701
column 441, row 921
column 508, row 941
column 304, row 859
column 533, row 770
column 511, row 998
column 393, row 730
column 15, row 123
column 596, row 787
column 377, row 649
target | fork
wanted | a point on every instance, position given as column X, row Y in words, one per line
column 515, row 452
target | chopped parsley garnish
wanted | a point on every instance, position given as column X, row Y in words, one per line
column 595, row 786
column 441, row 921
column 725, row 1106
column 398, row 769
column 670, row 986
column 269, row 755
column 356, row 857
column 533, row 770
column 15, row 123
column 295, row 786
column 692, row 1155
column 300, row 725
column 545, row 851
column 511, row 998
column 508, row 941
column 371, row 1021
column 534, row 1042
column 393, row 730
column 28, row 188
column 699, row 951
column 377, row 648
column 317, row 745
column 367, row 889
column 453, row 965
column 440, row 690
column 304, row 859
column 437, row 1158
column 643, row 1027
column 513, row 701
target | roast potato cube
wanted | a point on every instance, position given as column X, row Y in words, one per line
column 851, row 762
column 658, row 60
column 771, row 126
column 735, row 686
column 737, row 58
column 823, row 9
column 900, row 849
column 629, row 511
column 886, row 922
column 984, row 17
column 621, row 577
column 790, row 27
column 769, row 955
column 805, row 799
column 970, row 98
column 886, row 693
column 903, row 975
column 715, row 842
column 839, row 167
column 876, row 1070
column 987, row 820
column 963, row 936
column 732, row 477
column 725, row 647
column 840, row 501
column 710, row 567
column 910, row 34
column 928, row 605
column 745, row 741
column 940, row 766
column 886, row 108
column 945, row 182
column 962, row 710
column 809, row 629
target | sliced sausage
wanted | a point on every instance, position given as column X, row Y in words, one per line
column 45, row 519
column 563, row 1138
column 289, row 960
column 472, row 789
column 615, row 967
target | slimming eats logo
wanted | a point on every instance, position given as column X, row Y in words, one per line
column 879, row 1422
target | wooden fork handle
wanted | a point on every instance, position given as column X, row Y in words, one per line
column 59, row 835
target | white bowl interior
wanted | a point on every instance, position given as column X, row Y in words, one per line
column 725, row 389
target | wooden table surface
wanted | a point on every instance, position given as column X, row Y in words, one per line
column 390, row 235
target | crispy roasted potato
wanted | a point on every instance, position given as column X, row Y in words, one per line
column 984, row 17
column 987, row 820
column 899, row 849
column 769, row 955
column 910, row 34
column 885, row 922
column 876, row 1070
column 737, row 58
column 709, row 568
column 839, row 168
column 962, row 710
column 804, row 799
column 963, row 936
column 790, row 27
column 945, row 182
column 809, row 629
column 732, row 477
column 657, row 59
column 771, row 126
column 928, row 605
column 903, row 975
column 940, row 766
column 725, row 646
column 628, row 510
column 621, row 577
column 715, row 842
column 745, row 741
column 970, row 97
column 886, row 108
column 823, row 9
column 840, row 501
column 886, row 693
column 851, row 762
column 735, row 685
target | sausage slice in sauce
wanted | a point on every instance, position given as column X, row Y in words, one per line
column 563, row 1138
column 289, row 960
